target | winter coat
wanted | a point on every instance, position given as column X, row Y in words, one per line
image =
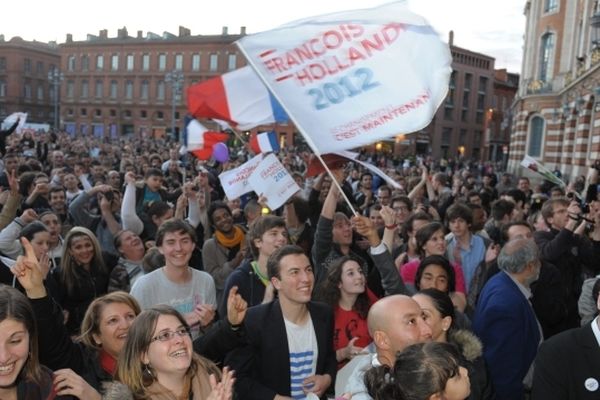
column 471, row 349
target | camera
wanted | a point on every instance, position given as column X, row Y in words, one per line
column 585, row 207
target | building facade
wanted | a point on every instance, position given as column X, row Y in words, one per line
column 556, row 118
column 24, row 83
column 136, row 85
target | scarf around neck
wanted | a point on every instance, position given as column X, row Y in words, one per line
column 238, row 237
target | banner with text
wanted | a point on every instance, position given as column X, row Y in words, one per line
column 271, row 180
column 235, row 181
column 351, row 78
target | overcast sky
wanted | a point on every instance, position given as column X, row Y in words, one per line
column 484, row 26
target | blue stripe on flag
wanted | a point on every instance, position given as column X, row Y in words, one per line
column 273, row 140
column 278, row 111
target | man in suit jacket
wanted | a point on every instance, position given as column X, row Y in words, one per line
column 568, row 365
column 505, row 321
column 290, row 340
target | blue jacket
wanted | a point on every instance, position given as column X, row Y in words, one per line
column 507, row 326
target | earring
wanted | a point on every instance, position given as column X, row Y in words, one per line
column 147, row 376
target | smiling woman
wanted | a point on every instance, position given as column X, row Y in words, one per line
column 20, row 371
column 158, row 361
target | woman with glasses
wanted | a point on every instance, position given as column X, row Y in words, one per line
column 158, row 361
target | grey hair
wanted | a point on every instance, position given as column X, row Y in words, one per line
column 517, row 254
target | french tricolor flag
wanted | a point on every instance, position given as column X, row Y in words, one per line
column 239, row 97
column 199, row 141
column 264, row 142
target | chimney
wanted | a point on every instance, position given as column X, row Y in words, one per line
column 69, row 38
column 243, row 30
column 183, row 31
column 140, row 34
column 103, row 34
column 224, row 31
column 122, row 33
column 451, row 38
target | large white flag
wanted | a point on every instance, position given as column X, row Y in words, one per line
column 351, row 78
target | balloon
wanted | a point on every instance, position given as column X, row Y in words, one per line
column 221, row 152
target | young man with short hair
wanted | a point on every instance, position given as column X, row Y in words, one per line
column 188, row 290
column 290, row 340
column 267, row 234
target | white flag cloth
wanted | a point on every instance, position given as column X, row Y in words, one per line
column 351, row 78
column 539, row 168
column 12, row 118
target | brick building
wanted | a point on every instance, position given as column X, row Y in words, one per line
column 24, row 84
column 556, row 115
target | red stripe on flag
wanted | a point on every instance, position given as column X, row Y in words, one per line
column 208, row 99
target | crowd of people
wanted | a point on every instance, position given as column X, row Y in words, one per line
column 126, row 273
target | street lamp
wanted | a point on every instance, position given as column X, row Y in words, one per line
column 55, row 77
column 175, row 78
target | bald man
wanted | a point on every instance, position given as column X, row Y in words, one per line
column 395, row 322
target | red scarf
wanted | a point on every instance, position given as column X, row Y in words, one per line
column 108, row 362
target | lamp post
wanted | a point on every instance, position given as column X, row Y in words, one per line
column 55, row 77
column 175, row 78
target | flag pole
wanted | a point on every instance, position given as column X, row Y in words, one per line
column 300, row 129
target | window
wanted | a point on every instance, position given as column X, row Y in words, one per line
column 546, row 55
column 114, row 62
column 462, row 137
column 231, row 61
column 162, row 62
column 464, row 115
column 97, row 113
column 129, row 90
column 465, row 102
column 40, row 92
column 550, row 5
column 468, row 81
column 213, row 62
column 2, row 88
column 112, row 112
column 448, row 113
column 127, row 113
column 39, row 68
column 130, row 63
column 160, row 90
column 85, row 89
column 27, row 65
column 99, row 88
column 480, row 101
column 446, row 136
column 160, row 115
column 85, row 63
column 479, row 117
column 535, row 137
column 144, row 90
column 70, row 112
column 100, row 62
column 196, row 62
column 145, row 62
column 71, row 63
column 27, row 90
column 483, row 84
column 114, row 89
column 144, row 114
column 70, row 89
column 2, row 63
column 178, row 61
column 83, row 112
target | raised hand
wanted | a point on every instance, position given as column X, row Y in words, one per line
column 29, row 272
column 236, row 307
column 66, row 382
column 222, row 390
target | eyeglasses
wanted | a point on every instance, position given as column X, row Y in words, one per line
column 168, row 335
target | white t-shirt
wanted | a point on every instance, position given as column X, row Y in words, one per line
column 302, row 343
column 155, row 288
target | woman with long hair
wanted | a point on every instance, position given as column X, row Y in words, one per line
column 158, row 361
column 22, row 372
column 439, row 314
column 81, row 277
column 345, row 290
column 425, row 371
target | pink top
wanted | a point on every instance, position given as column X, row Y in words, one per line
column 409, row 270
